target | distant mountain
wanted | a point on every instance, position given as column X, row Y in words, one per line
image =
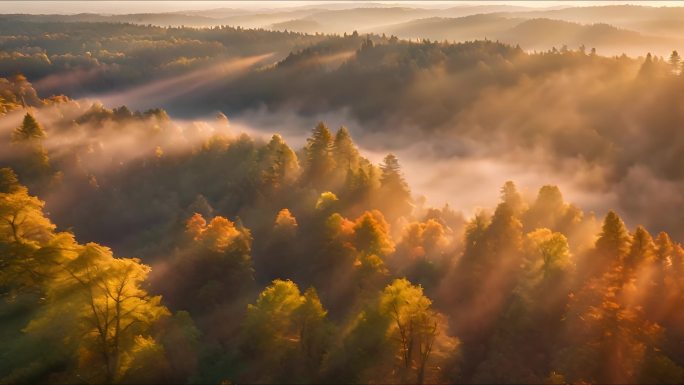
column 162, row 19
column 267, row 19
column 664, row 21
column 467, row 10
column 540, row 34
column 376, row 19
column 612, row 29
column 365, row 19
column 298, row 25
column 453, row 29
column 535, row 34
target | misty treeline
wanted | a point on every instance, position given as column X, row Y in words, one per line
column 608, row 125
column 223, row 257
column 82, row 58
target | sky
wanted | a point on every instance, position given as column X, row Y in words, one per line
column 123, row 7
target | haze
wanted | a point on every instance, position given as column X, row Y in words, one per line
column 341, row 192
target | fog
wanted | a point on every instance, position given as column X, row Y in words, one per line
column 463, row 158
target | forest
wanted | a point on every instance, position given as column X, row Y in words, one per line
column 609, row 125
column 240, row 259
column 245, row 205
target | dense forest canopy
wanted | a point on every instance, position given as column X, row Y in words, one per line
column 474, row 105
column 231, row 205
column 257, row 262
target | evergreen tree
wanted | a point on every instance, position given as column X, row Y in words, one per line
column 344, row 150
column 30, row 129
column 648, row 66
column 613, row 241
column 319, row 160
column 395, row 196
column 511, row 197
column 675, row 62
column 9, row 182
column 642, row 248
column 279, row 164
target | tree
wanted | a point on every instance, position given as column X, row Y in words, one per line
column 286, row 332
column 285, row 223
column 394, row 197
column 314, row 330
column 613, row 240
column 531, row 320
column 371, row 234
column 318, row 152
column 326, row 201
column 608, row 338
column 34, row 163
column 413, row 324
column 25, row 233
column 675, row 62
column 344, row 151
column 213, row 268
column 9, row 182
column 511, row 197
column 548, row 255
column 422, row 252
column 29, row 130
column 642, row 249
column 278, row 255
column 278, row 163
column 112, row 313
column 546, row 210
column 648, row 67
column 504, row 233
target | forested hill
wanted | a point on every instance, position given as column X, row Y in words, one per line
column 600, row 131
column 82, row 58
column 263, row 263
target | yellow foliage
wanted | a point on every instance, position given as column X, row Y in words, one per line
column 285, row 220
column 217, row 235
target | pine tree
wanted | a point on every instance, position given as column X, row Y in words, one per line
column 642, row 248
column 318, row 151
column 648, row 67
column 395, row 193
column 675, row 62
column 614, row 239
column 344, row 151
column 29, row 130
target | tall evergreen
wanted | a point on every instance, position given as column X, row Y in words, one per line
column 30, row 129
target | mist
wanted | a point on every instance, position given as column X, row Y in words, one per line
column 316, row 192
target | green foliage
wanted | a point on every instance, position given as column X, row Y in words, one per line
column 286, row 332
column 93, row 310
column 319, row 160
column 27, row 241
column 279, row 164
column 526, row 290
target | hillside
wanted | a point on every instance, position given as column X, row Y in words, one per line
column 316, row 192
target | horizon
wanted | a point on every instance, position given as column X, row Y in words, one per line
column 161, row 6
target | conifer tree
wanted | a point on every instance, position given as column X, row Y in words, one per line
column 675, row 62
column 30, row 129
column 318, row 151
column 614, row 239
column 395, row 193
column 344, row 151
